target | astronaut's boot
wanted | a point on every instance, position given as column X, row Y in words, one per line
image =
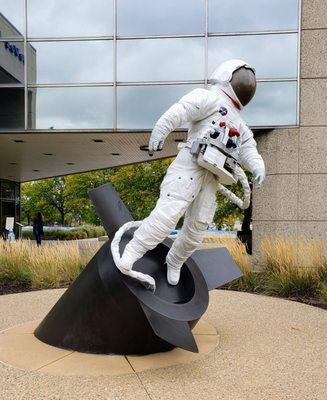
column 173, row 272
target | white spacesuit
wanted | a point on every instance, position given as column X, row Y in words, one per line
column 187, row 187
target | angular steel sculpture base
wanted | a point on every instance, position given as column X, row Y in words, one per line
column 106, row 312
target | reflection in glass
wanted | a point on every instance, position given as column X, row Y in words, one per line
column 12, row 59
column 160, row 17
column 7, row 190
column 252, row 15
column 161, row 59
column 70, row 18
column 11, row 108
column 141, row 107
column 11, row 18
column 273, row 56
column 74, row 108
column 273, row 104
column 73, row 62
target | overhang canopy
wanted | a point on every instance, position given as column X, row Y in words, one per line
column 36, row 155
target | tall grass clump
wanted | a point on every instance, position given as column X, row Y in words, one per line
column 55, row 266
column 294, row 267
column 14, row 261
column 47, row 266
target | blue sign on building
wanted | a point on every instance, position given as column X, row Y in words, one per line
column 15, row 51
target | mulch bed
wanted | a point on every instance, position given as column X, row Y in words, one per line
column 16, row 287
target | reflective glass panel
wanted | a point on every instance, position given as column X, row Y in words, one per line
column 273, row 104
column 11, row 108
column 73, row 108
column 8, row 190
column 273, row 56
column 140, row 107
column 70, row 18
column 75, row 61
column 161, row 59
column 160, row 17
column 12, row 59
column 12, row 18
column 252, row 15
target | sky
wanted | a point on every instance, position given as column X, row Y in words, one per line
column 273, row 56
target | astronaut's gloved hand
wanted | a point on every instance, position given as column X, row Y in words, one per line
column 156, row 141
column 259, row 176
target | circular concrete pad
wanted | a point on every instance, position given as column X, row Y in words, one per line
column 20, row 348
column 268, row 349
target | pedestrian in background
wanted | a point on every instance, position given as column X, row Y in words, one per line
column 38, row 227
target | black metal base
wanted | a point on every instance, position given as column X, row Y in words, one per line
column 106, row 312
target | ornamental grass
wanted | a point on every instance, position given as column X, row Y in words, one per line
column 295, row 267
column 289, row 268
column 47, row 266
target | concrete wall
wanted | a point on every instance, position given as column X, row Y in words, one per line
column 293, row 200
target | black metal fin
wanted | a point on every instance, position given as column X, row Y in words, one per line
column 110, row 208
column 173, row 331
column 217, row 266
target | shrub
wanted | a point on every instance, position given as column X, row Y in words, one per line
column 93, row 231
column 83, row 232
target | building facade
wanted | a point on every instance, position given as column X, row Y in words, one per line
column 89, row 79
column 293, row 200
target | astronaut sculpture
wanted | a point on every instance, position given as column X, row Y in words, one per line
column 218, row 142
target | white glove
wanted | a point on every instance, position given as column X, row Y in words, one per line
column 156, row 142
column 259, row 176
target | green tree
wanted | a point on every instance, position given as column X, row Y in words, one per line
column 50, row 196
column 66, row 198
column 139, row 185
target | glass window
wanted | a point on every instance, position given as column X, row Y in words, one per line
column 8, row 190
column 69, row 18
column 72, row 62
column 11, row 108
column 161, row 59
column 252, row 15
column 12, row 59
column 273, row 104
column 73, row 108
column 12, row 18
column 140, row 107
column 273, row 56
column 160, row 17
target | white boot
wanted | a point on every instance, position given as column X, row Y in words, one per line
column 173, row 273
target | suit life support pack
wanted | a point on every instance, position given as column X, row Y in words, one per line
column 212, row 152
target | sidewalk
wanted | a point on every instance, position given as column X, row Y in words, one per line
column 269, row 349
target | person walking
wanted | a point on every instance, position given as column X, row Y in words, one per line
column 38, row 227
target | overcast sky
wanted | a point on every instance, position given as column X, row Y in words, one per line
column 273, row 56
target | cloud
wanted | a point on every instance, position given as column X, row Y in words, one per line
column 150, row 17
column 161, row 59
column 252, row 15
column 74, row 108
column 70, row 18
column 63, row 62
column 13, row 10
column 273, row 56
